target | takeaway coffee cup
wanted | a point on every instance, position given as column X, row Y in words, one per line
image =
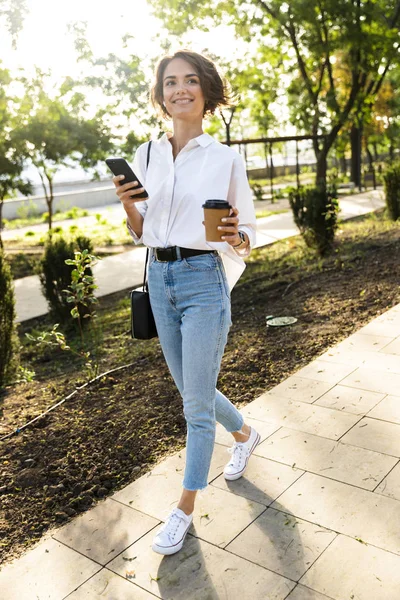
column 214, row 211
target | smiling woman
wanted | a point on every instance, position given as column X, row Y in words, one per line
column 188, row 284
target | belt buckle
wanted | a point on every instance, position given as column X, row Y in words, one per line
column 170, row 252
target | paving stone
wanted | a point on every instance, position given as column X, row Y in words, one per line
column 212, row 521
column 301, row 592
column 301, row 389
column 300, row 416
column 373, row 381
column 386, row 327
column 392, row 348
column 282, row 543
column 351, row 400
column 328, row 372
column 153, row 494
column 104, row 531
column 264, row 429
column 344, row 508
column 380, row 436
column 390, row 486
column 263, row 481
column 176, row 463
column 220, row 516
column 200, row 571
column 362, row 342
column 50, row 571
column 335, row 460
column 378, row 361
column 348, row 569
column 110, row 586
column 387, row 410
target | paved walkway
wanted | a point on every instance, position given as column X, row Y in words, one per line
column 314, row 518
column 125, row 270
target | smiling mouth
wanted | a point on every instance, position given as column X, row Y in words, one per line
column 182, row 101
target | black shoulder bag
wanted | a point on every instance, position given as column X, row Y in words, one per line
column 143, row 326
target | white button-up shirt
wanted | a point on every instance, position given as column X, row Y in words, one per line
column 173, row 214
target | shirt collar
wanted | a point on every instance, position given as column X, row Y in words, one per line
column 203, row 140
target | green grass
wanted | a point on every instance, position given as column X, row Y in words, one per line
column 260, row 214
column 26, row 221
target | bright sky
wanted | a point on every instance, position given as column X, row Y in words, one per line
column 46, row 43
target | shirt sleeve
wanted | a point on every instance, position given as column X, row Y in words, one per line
column 240, row 196
column 139, row 168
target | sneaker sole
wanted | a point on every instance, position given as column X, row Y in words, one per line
column 241, row 473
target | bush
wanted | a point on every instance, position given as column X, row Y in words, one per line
column 391, row 178
column 9, row 346
column 315, row 211
column 55, row 275
column 258, row 191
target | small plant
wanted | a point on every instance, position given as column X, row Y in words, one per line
column 80, row 291
column 315, row 211
column 27, row 210
column 391, row 179
column 9, row 345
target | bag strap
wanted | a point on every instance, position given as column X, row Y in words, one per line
column 145, row 285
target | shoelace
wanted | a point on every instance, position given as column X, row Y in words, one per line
column 171, row 525
column 237, row 451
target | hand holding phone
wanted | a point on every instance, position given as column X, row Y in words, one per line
column 119, row 166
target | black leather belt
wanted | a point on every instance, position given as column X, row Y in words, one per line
column 176, row 253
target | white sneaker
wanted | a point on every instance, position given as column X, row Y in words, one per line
column 241, row 452
column 171, row 536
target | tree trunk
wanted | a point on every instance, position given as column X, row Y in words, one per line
column 343, row 165
column 1, row 221
column 320, row 178
column 355, row 141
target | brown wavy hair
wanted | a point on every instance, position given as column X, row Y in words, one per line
column 215, row 89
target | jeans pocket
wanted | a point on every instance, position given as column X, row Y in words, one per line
column 201, row 262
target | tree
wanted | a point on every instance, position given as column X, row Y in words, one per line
column 54, row 131
column 311, row 35
column 12, row 12
column 11, row 157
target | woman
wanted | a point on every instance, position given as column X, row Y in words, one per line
column 188, row 285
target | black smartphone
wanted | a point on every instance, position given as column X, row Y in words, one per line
column 119, row 166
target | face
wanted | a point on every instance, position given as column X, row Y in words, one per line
column 182, row 92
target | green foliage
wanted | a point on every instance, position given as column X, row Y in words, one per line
column 56, row 275
column 315, row 211
column 13, row 12
column 54, row 130
column 392, row 190
column 9, row 346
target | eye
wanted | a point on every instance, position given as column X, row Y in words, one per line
column 193, row 81
column 169, row 83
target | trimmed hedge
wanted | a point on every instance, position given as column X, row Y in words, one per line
column 9, row 344
column 55, row 275
column 315, row 211
column 391, row 179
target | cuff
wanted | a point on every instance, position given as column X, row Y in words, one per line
column 251, row 235
column 136, row 239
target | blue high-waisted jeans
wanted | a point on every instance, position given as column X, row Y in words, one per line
column 191, row 305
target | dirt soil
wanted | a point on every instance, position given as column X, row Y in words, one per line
column 115, row 430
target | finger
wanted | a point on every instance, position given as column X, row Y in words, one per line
column 127, row 186
column 117, row 179
column 233, row 220
column 232, row 229
column 131, row 194
column 234, row 211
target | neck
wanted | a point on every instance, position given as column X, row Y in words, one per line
column 183, row 133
